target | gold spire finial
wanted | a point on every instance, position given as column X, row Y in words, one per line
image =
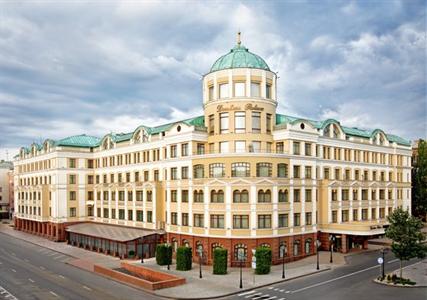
column 238, row 38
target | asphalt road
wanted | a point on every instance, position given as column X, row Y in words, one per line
column 350, row 282
column 28, row 271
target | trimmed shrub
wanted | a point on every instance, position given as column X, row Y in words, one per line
column 263, row 260
column 163, row 254
column 131, row 253
column 184, row 257
column 220, row 261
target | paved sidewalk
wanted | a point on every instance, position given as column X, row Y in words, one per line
column 221, row 285
column 416, row 272
column 84, row 259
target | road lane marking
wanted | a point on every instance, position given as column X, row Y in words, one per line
column 334, row 279
column 7, row 294
column 261, row 296
column 392, row 261
column 87, row 288
column 62, row 276
column 282, row 291
column 13, row 270
column 246, row 293
column 53, row 293
column 271, row 287
column 30, row 280
column 43, row 268
column 254, row 295
column 271, row 298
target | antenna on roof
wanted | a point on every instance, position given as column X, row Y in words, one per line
column 238, row 37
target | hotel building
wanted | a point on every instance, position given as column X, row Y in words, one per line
column 239, row 176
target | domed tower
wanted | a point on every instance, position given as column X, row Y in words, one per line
column 239, row 97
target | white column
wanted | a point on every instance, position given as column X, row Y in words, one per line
column 102, row 204
column 117, row 203
column 206, row 195
column 190, row 207
column 134, row 204
column 126, row 204
column 302, row 209
column 144, row 204
column 359, row 212
column 291, row 205
column 339, row 212
column 110, row 193
column 95, row 198
column 168, row 206
column 154, row 212
column 228, row 217
column 179, row 204
column 370, row 203
column 253, row 215
column 329, row 204
column 275, row 221
column 350, row 196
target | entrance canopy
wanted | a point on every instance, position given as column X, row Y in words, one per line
column 112, row 233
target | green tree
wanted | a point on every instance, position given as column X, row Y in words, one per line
column 419, row 181
column 405, row 233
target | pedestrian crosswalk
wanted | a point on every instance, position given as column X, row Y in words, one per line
column 265, row 295
column 4, row 294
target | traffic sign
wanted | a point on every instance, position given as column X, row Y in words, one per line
column 380, row 260
column 254, row 265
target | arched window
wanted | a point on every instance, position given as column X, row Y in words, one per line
column 264, row 196
column 308, row 246
column 185, row 243
column 240, row 169
column 217, row 196
column 199, row 246
column 198, row 196
column 241, row 196
column 283, row 196
column 214, row 246
column 283, row 249
column 336, row 131
column 198, row 171
column 216, row 170
column 282, row 170
column 296, row 247
column 240, row 251
column 263, row 169
column 265, row 245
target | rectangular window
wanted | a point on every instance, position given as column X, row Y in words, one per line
column 344, row 195
column 224, row 124
column 199, row 220
column 297, row 195
column 256, row 122
column 307, row 149
column 140, row 216
column 121, row 214
column 326, row 173
column 198, row 171
column 297, row 219
column 184, row 149
column 264, row 221
column 308, row 195
column 268, row 91
column 344, row 216
column 211, row 93
column 364, row 214
column 240, row 146
column 308, row 172
column 211, row 124
column 279, row 147
column 113, row 213
column 72, row 163
column 268, row 123
column 130, row 214
column 255, row 147
column 282, row 170
column 217, row 221
column 216, row 170
column 73, row 212
column 105, row 212
column 296, row 147
column 255, row 89
column 174, row 173
column 184, row 196
column 334, row 216
column 72, row 179
column 200, row 149
column 121, row 196
column 149, row 216
column 223, row 90
column 240, row 221
column 239, row 89
column 174, row 218
column 355, row 215
column 184, row 217
column 296, row 171
column 240, row 169
column 239, row 122
column 283, row 220
column 308, row 218
column 174, row 196
column 263, row 169
column 72, row 195
column 184, row 172
column 223, row 147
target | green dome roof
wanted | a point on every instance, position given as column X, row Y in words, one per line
column 239, row 57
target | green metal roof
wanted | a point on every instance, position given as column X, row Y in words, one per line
column 351, row 131
column 239, row 57
column 83, row 141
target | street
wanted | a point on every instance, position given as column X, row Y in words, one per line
column 28, row 271
column 350, row 282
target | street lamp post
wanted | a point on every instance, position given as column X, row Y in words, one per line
column 240, row 257
column 383, row 264
column 331, row 240
column 169, row 258
column 200, row 251
column 282, row 252
column 318, row 243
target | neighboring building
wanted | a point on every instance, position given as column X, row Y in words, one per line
column 6, row 188
column 239, row 176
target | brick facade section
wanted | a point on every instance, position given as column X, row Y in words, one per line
column 231, row 243
column 52, row 231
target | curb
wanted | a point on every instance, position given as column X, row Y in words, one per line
column 398, row 285
column 247, row 289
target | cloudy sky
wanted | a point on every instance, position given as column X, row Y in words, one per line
column 99, row 67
